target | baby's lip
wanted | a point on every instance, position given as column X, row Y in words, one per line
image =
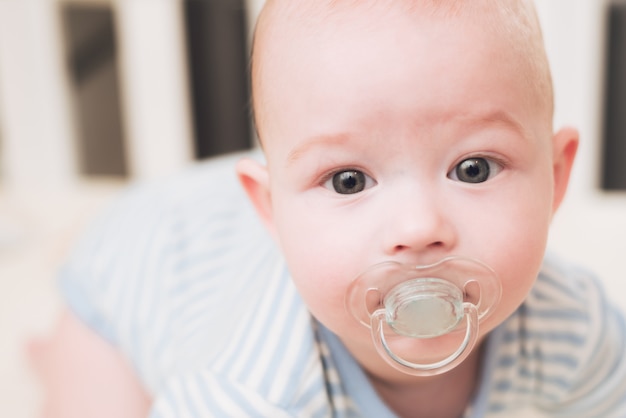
column 415, row 262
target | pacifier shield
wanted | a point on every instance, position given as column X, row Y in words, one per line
column 424, row 302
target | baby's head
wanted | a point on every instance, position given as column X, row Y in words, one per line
column 404, row 131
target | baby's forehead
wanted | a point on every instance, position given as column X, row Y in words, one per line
column 283, row 21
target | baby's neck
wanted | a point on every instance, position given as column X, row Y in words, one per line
column 446, row 395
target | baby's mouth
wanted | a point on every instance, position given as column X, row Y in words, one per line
column 424, row 302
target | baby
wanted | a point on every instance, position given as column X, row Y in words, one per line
column 411, row 173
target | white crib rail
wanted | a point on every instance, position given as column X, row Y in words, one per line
column 35, row 127
column 37, row 137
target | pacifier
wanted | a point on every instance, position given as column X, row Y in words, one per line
column 405, row 306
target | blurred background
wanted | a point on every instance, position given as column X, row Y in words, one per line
column 95, row 94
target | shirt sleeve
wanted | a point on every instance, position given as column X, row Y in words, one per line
column 596, row 386
column 100, row 279
column 115, row 281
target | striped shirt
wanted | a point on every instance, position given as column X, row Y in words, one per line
column 184, row 280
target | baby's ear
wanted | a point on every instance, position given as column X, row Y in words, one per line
column 254, row 178
column 565, row 145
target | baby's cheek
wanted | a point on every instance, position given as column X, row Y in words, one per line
column 324, row 300
column 516, row 255
column 322, row 284
column 322, row 263
column 517, row 277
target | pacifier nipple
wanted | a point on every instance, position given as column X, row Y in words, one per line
column 405, row 306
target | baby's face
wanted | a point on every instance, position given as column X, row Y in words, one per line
column 402, row 140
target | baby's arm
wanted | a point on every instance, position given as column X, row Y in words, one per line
column 84, row 376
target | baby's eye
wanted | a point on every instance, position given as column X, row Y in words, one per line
column 349, row 182
column 475, row 170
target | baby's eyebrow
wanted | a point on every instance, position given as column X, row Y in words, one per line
column 497, row 117
column 316, row 141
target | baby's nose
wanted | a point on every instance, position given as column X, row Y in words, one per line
column 417, row 225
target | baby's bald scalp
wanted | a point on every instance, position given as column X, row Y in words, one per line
column 514, row 20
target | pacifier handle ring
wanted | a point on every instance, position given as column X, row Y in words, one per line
column 426, row 369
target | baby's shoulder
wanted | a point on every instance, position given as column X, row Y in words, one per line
column 563, row 347
column 564, row 312
column 565, row 290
